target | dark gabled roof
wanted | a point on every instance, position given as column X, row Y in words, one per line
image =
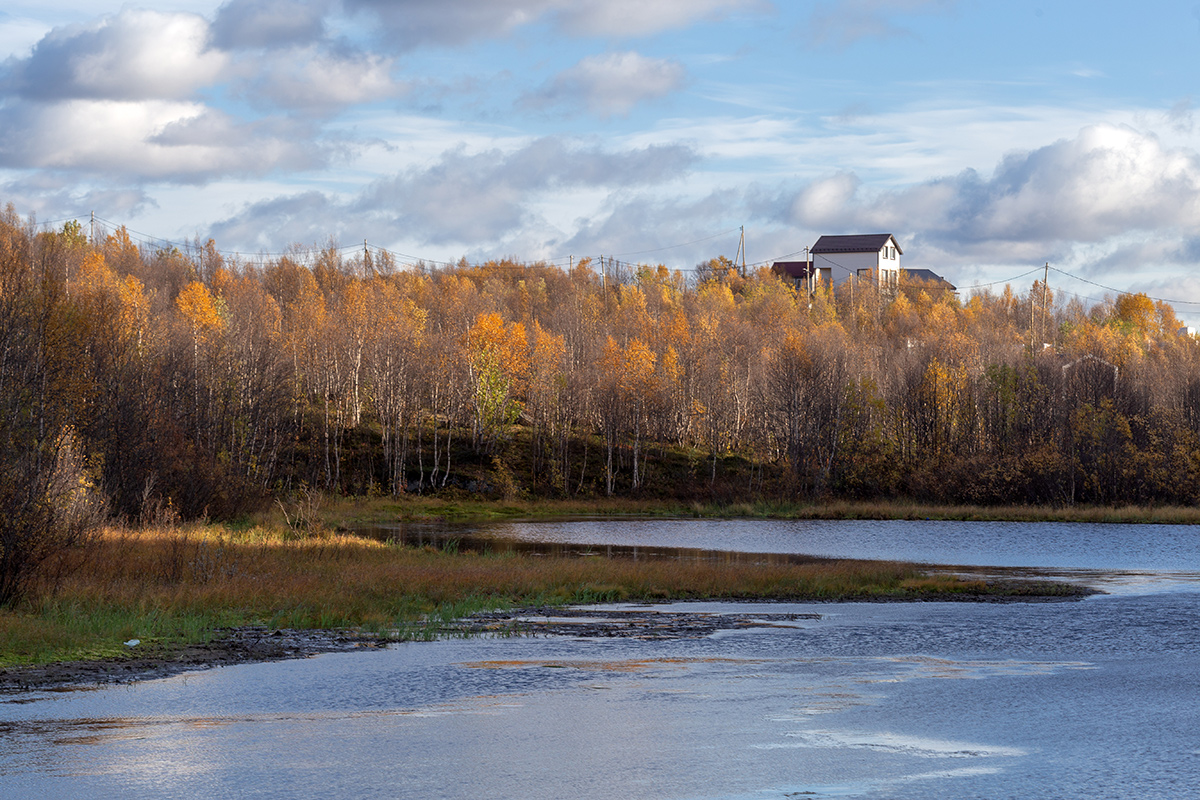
column 856, row 243
column 930, row 277
column 793, row 269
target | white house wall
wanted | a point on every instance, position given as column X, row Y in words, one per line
column 844, row 265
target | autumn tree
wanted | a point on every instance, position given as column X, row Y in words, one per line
column 498, row 366
column 48, row 501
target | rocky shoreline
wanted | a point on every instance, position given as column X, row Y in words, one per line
column 236, row 646
column 258, row 644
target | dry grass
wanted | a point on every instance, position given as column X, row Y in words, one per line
column 177, row 585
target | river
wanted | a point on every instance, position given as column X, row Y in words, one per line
column 1097, row 698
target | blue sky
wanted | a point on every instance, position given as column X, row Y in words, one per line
column 990, row 138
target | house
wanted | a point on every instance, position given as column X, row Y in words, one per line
column 864, row 254
column 834, row 258
column 802, row 274
column 925, row 280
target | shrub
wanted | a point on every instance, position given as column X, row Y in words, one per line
column 47, row 505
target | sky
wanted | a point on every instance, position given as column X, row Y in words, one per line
column 990, row 138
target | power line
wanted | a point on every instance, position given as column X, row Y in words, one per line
column 1006, row 280
column 1119, row 291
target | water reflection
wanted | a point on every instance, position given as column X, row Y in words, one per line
column 488, row 539
column 1061, row 545
column 1123, row 559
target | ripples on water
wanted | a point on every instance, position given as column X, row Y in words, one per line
column 1088, row 699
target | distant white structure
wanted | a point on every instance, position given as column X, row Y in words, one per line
column 1187, row 330
column 835, row 257
column 861, row 254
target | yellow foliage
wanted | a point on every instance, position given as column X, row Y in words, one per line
column 196, row 304
column 490, row 341
column 1137, row 311
column 97, row 283
column 630, row 369
column 549, row 350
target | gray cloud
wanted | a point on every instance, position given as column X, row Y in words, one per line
column 411, row 23
column 47, row 193
column 317, row 80
column 611, row 84
column 624, row 18
column 481, row 197
column 470, row 199
column 242, row 24
column 271, row 225
column 1181, row 116
column 638, row 228
column 844, row 22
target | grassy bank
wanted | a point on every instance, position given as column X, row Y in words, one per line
column 464, row 507
column 177, row 586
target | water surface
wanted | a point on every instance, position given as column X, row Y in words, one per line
column 1112, row 557
column 1097, row 698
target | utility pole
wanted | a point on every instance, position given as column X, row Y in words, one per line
column 810, row 268
column 853, row 281
column 741, row 251
column 1045, row 298
column 92, row 229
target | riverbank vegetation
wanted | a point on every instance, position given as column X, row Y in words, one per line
column 461, row 507
column 167, row 587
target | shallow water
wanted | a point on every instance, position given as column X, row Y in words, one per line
column 1097, row 698
column 1008, row 544
column 1116, row 558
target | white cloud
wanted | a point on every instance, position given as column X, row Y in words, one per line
column 315, row 79
column 134, row 55
column 1107, row 181
column 611, row 84
column 149, row 140
column 822, row 202
column 1097, row 190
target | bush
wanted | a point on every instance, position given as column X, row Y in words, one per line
column 47, row 505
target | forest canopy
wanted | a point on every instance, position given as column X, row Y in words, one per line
column 194, row 381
